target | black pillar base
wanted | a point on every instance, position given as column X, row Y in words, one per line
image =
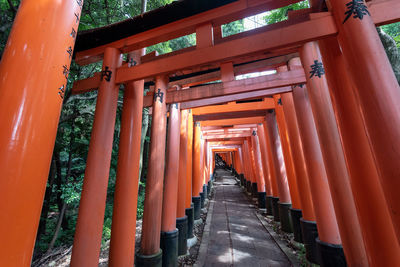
column 261, row 200
column 190, row 215
column 248, row 187
column 331, row 255
column 154, row 260
column 284, row 217
column 269, row 205
column 197, row 207
column 209, row 188
column 182, row 225
column 310, row 233
column 254, row 190
column 241, row 177
column 169, row 247
column 296, row 215
column 275, row 208
column 202, row 199
column 205, row 191
column 244, row 183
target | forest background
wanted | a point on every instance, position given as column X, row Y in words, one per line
column 61, row 202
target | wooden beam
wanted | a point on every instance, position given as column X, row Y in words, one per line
column 384, row 12
column 92, row 83
column 230, row 115
column 218, row 16
column 225, row 143
column 254, row 120
column 235, row 97
column 227, row 136
column 227, row 139
column 267, row 103
column 281, row 79
column 263, row 40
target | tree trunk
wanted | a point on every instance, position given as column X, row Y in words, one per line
column 58, row 227
column 392, row 52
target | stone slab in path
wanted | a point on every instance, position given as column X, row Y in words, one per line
column 233, row 235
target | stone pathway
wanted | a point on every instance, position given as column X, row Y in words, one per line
column 235, row 236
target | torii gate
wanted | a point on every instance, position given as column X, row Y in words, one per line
column 349, row 156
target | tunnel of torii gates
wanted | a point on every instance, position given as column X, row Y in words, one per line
column 317, row 142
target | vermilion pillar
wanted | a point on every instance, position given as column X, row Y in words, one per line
column 181, row 218
column 280, row 171
column 169, row 232
column 183, row 165
column 251, row 177
column 123, row 230
column 197, row 175
column 307, row 209
column 256, row 173
column 378, row 232
column 202, row 171
column 332, row 153
column 286, row 149
column 264, row 158
column 189, row 210
column 150, row 241
column 321, row 196
column 261, row 172
column 284, row 208
column 257, row 162
column 89, row 226
column 32, row 87
column 378, row 93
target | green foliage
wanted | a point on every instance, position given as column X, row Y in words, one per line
column 232, row 28
column 393, row 30
column 281, row 14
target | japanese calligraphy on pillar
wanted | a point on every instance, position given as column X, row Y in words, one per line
column 317, row 69
column 357, row 8
column 77, row 10
column 106, row 74
column 159, row 95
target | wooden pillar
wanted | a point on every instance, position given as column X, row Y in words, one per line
column 189, row 165
column 150, row 241
column 123, row 230
column 261, row 172
column 286, row 149
column 183, row 164
column 277, row 155
column 264, row 158
column 298, row 156
column 378, row 92
column 86, row 249
column 197, row 177
column 169, row 232
column 189, row 209
column 32, row 87
column 197, row 161
column 325, row 217
column 378, row 231
column 181, row 217
column 271, row 162
column 333, row 156
column 258, row 164
column 307, row 209
column 250, row 178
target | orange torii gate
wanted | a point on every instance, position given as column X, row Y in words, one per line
column 329, row 144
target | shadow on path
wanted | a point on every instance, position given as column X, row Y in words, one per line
column 236, row 235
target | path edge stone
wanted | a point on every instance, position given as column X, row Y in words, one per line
column 201, row 258
column 294, row 261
